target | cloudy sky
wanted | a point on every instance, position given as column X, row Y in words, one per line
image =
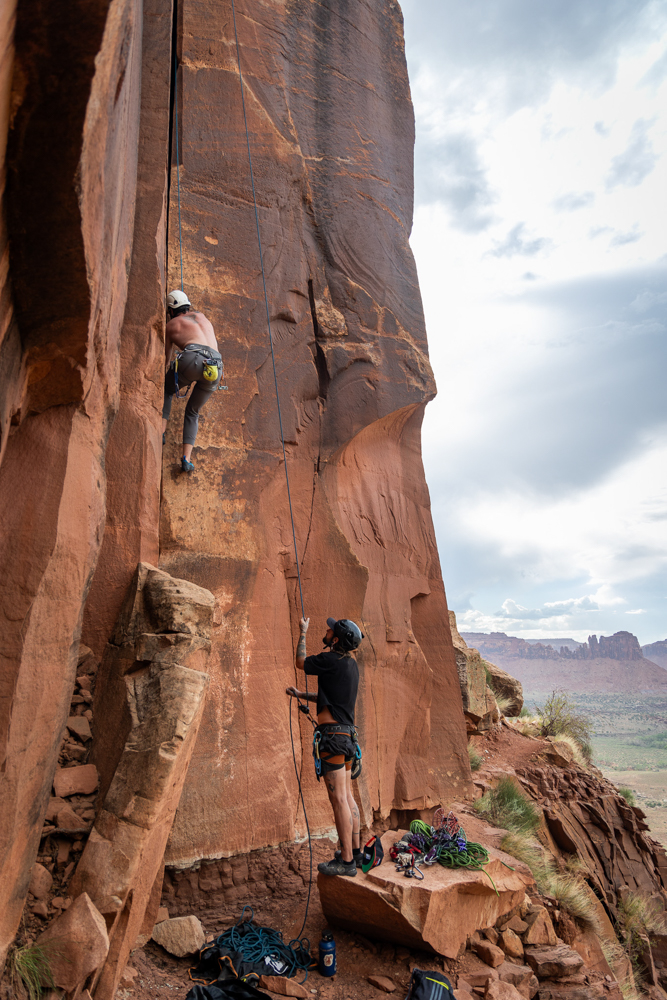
column 541, row 241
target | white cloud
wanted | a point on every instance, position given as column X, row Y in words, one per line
column 540, row 241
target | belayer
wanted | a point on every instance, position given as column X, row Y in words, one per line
column 192, row 356
column 335, row 746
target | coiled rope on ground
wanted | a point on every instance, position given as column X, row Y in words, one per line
column 256, row 943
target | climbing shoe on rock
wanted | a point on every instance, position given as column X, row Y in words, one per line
column 337, row 867
column 356, row 859
column 187, row 466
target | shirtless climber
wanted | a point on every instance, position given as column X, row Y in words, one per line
column 337, row 683
column 190, row 337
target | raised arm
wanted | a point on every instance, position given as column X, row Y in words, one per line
column 300, row 660
column 301, row 645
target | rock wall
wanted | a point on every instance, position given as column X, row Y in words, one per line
column 331, row 129
column 81, row 132
column 81, row 334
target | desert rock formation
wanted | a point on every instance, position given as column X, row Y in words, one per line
column 610, row 663
column 81, row 349
column 331, row 128
column 657, row 652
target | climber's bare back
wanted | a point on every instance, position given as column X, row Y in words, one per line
column 190, row 328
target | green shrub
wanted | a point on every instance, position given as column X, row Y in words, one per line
column 507, row 807
column 475, row 757
column 560, row 717
column 525, row 713
column 628, row 795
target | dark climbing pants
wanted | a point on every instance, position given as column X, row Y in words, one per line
column 191, row 364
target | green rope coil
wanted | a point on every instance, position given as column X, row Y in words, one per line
column 472, row 856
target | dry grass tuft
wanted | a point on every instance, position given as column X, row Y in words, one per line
column 475, row 757
column 29, row 970
column 567, row 886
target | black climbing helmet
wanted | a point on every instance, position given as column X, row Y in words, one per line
column 348, row 634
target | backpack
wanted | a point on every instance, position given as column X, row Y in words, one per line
column 429, row 986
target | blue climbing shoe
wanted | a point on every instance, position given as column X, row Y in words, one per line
column 186, row 466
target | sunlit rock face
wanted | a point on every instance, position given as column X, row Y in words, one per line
column 331, row 134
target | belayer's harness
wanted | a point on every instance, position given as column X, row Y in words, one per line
column 322, row 740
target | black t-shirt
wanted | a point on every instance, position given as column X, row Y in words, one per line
column 338, row 681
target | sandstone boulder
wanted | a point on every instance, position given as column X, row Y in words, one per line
column 437, row 914
column 490, row 953
column 76, row 943
column 521, row 976
column 41, row 881
column 505, row 687
column 511, row 943
column 550, row 990
column 283, row 987
column 496, row 989
column 382, row 983
column 67, row 819
column 80, row 726
column 79, row 780
column 180, row 936
column 556, row 963
column 540, row 928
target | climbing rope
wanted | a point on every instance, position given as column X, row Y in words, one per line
column 282, row 438
column 178, row 168
column 253, row 944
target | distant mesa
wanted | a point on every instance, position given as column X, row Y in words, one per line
column 657, row 652
column 615, row 663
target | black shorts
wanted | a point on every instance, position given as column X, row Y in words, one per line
column 337, row 750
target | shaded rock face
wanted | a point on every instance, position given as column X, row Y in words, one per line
column 71, row 181
column 331, row 128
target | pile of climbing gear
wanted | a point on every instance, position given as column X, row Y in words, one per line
column 445, row 843
column 242, row 954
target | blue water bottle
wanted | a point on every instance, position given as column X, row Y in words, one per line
column 327, row 964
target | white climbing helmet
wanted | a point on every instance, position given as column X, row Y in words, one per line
column 177, row 299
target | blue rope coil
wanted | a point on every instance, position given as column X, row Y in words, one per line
column 256, row 943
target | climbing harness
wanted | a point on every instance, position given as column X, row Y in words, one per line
column 282, row 438
column 445, row 842
column 326, row 733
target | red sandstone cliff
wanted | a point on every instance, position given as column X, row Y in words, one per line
column 83, row 287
